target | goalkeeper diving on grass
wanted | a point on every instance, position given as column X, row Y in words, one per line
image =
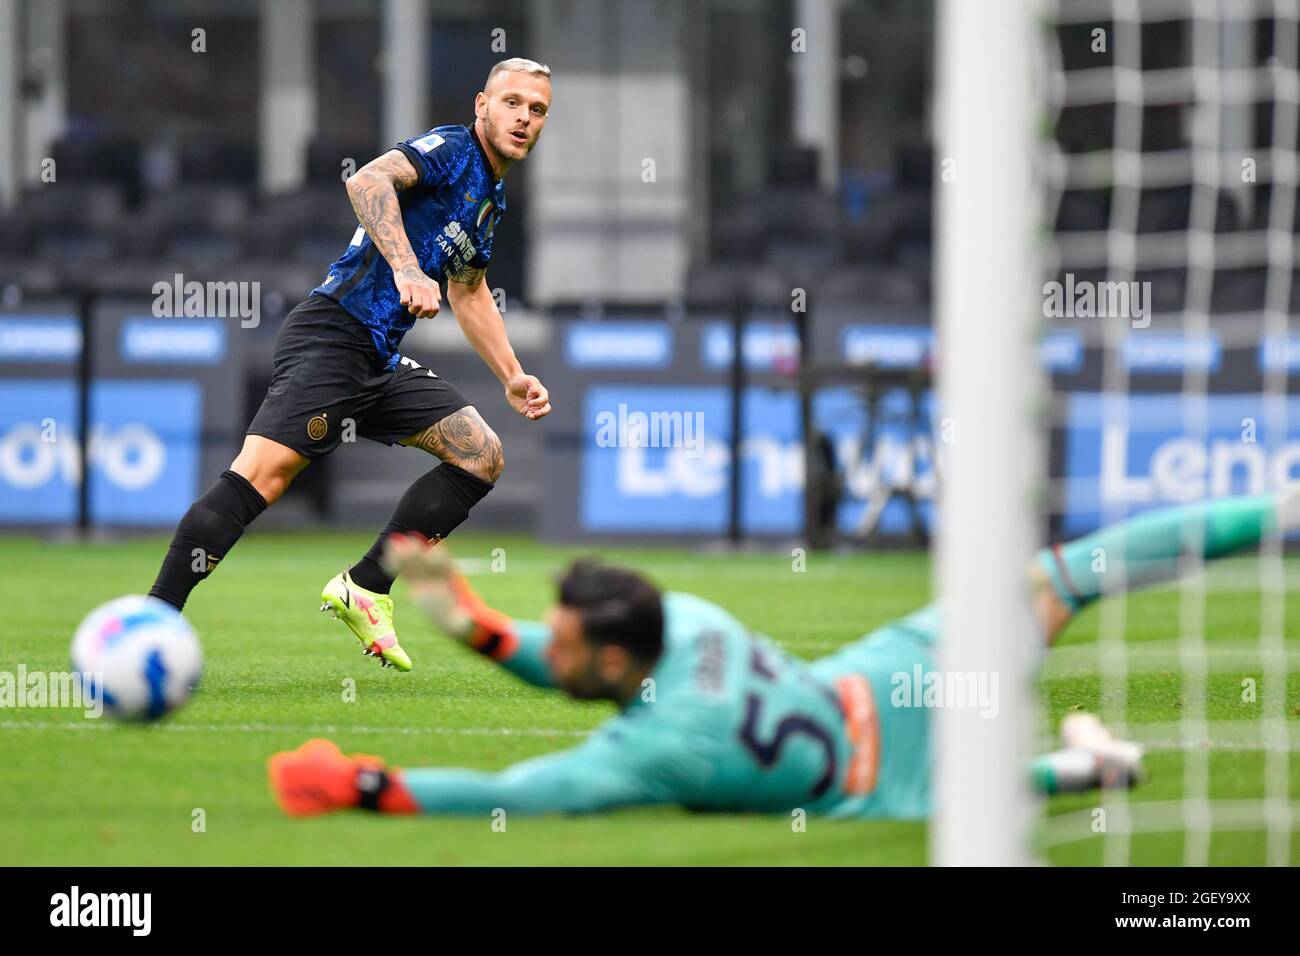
column 714, row 717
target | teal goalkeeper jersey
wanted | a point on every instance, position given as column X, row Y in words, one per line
column 727, row 721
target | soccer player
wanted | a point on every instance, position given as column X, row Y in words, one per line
column 427, row 210
column 714, row 717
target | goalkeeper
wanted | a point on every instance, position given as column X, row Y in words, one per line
column 714, row 717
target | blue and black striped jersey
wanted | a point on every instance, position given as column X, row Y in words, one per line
column 449, row 218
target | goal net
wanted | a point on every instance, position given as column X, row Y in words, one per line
column 1160, row 168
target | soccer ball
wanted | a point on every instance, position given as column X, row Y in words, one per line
column 139, row 656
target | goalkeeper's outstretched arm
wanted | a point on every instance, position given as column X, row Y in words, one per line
column 600, row 774
column 453, row 606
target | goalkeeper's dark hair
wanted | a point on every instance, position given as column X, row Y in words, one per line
column 618, row 607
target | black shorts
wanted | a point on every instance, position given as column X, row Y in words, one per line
column 330, row 384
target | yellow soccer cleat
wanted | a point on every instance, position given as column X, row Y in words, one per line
column 369, row 615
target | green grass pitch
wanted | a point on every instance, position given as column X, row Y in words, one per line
column 79, row 791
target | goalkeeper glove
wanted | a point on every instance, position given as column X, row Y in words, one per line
column 318, row 778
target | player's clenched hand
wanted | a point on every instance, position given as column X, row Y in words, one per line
column 420, row 295
column 528, row 396
column 431, row 575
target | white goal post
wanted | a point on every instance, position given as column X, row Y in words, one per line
column 988, row 292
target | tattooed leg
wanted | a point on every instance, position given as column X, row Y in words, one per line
column 440, row 500
column 463, row 439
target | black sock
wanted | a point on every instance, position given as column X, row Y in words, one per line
column 434, row 505
column 206, row 533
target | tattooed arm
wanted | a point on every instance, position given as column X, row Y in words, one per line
column 373, row 190
column 476, row 312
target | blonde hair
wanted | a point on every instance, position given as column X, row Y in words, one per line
column 517, row 64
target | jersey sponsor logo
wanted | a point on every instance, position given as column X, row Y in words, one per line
column 459, row 248
column 428, row 143
column 318, row 426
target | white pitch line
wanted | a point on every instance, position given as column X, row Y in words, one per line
column 103, row 723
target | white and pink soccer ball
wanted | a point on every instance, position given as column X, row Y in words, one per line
column 140, row 657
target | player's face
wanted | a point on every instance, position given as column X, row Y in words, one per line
column 570, row 658
column 513, row 110
column 574, row 663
